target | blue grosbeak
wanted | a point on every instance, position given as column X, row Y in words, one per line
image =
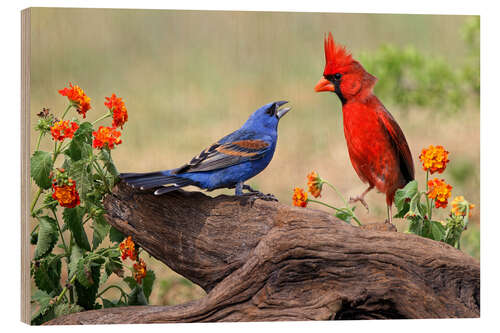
column 228, row 163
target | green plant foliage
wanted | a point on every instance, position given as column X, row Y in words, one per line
column 73, row 217
column 47, row 236
column 87, row 291
column 408, row 77
column 85, row 175
column 47, row 274
column 41, row 166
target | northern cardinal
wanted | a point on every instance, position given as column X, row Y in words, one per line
column 377, row 146
column 228, row 163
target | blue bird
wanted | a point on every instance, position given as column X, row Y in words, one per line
column 228, row 163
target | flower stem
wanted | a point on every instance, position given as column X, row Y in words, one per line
column 66, row 250
column 38, row 141
column 110, row 287
column 37, row 195
column 66, row 111
column 429, row 203
column 106, row 115
column 101, row 173
column 61, row 295
column 337, row 209
column 336, row 191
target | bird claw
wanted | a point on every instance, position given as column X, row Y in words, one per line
column 259, row 195
column 359, row 199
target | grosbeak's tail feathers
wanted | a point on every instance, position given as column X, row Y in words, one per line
column 146, row 181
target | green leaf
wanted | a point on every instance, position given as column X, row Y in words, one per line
column 47, row 275
column 403, row 197
column 101, row 228
column 47, row 236
column 115, row 236
column 64, row 309
column 131, row 282
column 80, row 172
column 73, row 217
column 415, row 226
column 137, row 297
column 78, row 150
column 114, row 265
column 76, row 255
column 437, row 231
column 112, row 304
column 105, row 156
column 41, row 166
column 41, row 297
column 87, row 292
column 44, row 312
column 147, row 283
column 344, row 216
column 84, row 133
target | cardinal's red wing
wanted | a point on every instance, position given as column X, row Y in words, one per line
column 399, row 143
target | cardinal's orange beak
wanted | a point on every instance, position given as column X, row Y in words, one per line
column 324, row 85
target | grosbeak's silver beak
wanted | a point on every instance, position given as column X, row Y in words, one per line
column 281, row 112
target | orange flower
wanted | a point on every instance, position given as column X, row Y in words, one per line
column 434, row 159
column 63, row 129
column 139, row 271
column 127, row 248
column 66, row 194
column 117, row 106
column 78, row 98
column 299, row 197
column 314, row 184
column 439, row 191
column 459, row 206
column 106, row 135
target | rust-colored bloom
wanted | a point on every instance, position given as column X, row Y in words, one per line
column 439, row 191
column 299, row 197
column 459, row 206
column 78, row 98
column 434, row 159
column 127, row 249
column 314, row 184
column 117, row 106
column 63, row 129
column 139, row 271
column 66, row 193
column 109, row 136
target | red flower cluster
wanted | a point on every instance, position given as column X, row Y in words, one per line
column 127, row 249
column 299, row 197
column 439, row 191
column 117, row 106
column 76, row 95
column 314, row 184
column 66, row 194
column 63, row 129
column 434, row 159
column 139, row 271
column 109, row 136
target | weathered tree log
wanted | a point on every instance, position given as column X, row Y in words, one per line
column 269, row 261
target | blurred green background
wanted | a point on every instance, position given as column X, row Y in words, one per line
column 190, row 77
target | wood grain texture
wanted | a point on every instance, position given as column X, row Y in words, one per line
column 267, row 261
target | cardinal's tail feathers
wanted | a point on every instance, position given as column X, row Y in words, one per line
column 150, row 180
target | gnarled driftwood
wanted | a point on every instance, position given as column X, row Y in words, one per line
column 269, row 261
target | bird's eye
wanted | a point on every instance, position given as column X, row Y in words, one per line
column 270, row 111
column 337, row 76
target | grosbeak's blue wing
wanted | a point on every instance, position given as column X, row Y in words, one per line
column 222, row 155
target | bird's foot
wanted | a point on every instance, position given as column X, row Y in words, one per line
column 361, row 199
column 259, row 195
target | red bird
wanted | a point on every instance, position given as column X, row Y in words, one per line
column 377, row 146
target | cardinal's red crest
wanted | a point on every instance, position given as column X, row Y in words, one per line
column 336, row 56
